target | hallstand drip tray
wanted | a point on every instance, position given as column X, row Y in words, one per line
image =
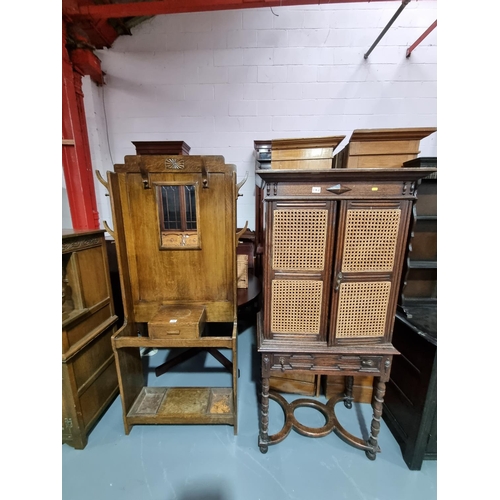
column 185, row 404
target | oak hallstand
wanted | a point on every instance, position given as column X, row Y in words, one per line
column 174, row 219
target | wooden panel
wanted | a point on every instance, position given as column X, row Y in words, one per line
column 301, row 154
column 308, row 142
column 80, row 330
column 421, row 283
column 93, row 276
column 100, row 393
column 181, row 275
column 427, row 198
column 391, row 134
column 379, row 161
column 384, row 147
column 88, row 361
column 72, row 289
column 321, row 164
column 424, row 241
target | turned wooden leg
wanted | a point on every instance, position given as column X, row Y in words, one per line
column 264, row 416
column 378, row 401
column 264, row 406
column 348, row 399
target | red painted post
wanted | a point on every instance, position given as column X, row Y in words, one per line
column 77, row 165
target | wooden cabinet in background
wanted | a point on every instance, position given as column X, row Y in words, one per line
column 410, row 408
column 89, row 380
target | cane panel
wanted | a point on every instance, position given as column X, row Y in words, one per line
column 362, row 309
column 299, row 239
column 370, row 240
column 296, row 306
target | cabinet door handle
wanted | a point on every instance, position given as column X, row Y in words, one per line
column 339, row 281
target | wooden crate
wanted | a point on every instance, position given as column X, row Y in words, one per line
column 362, row 388
column 384, row 148
column 305, row 384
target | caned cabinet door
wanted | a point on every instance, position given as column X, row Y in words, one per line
column 299, row 243
column 371, row 242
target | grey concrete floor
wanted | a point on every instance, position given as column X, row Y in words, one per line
column 208, row 462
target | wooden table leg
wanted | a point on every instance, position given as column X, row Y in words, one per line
column 264, row 405
column 348, row 399
column 378, row 401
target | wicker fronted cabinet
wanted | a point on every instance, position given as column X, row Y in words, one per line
column 334, row 248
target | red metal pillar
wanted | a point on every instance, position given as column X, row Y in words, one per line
column 424, row 34
column 77, row 164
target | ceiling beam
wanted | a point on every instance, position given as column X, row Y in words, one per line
column 158, row 7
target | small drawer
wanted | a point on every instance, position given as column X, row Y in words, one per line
column 334, row 190
column 326, row 363
column 180, row 321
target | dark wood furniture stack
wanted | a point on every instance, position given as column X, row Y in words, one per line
column 175, row 231
column 89, row 379
column 333, row 252
column 410, row 408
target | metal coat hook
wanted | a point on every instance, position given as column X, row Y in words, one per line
column 204, row 174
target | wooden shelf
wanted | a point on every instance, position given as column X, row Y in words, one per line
column 183, row 405
column 422, row 264
column 426, row 217
column 221, row 342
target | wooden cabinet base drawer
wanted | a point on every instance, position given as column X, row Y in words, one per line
column 362, row 387
column 344, row 363
column 307, row 384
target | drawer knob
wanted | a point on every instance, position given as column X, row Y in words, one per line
column 282, row 363
column 367, row 362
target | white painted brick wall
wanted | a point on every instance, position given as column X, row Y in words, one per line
column 220, row 80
